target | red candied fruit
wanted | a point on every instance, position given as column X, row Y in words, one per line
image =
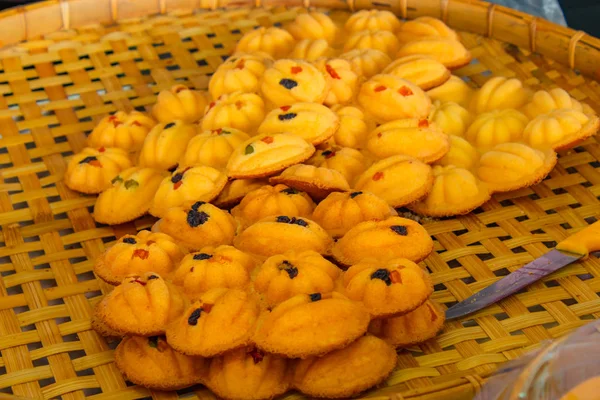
column 112, row 118
column 423, row 123
column 396, row 277
column 117, row 123
column 211, row 105
column 257, row 355
column 239, row 104
column 102, row 149
column 206, row 307
column 405, row 91
column 285, row 108
column 378, row 176
column 379, row 134
column 140, row 253
column 177, row 185
column 332, row 72
column 296, row 70
column 217, row 131
column 95, row 163
column 267, row 139
column 380, row 88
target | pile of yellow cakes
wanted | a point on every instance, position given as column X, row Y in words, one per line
column 278, row 261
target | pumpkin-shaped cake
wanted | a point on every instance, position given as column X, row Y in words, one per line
column 272, row 200
column 267, row 154
column 510, row 166
column 383, row 41
column 126, row 131
column 499, row 93
column 129, row 197
column 387, row 98
column 249, row 374
column 424, row 71
column 293, row 81
column 142, row 305
column 451, row 53
column 346, row 372
column 198, row 225
column 285, row 275
column 318, row 182
column 235, row 191
column 462, row 154
column 137, row 254
column 450, row 117
column 354, row 127
column 180, row 103
column 152, row 363
column 413, row 137
column 454, row 89
column 313, row 25
column 238, row 110
column 311, row 325
column 382, row 180
column 395, row 287
column 311, row 50
column 277, row 234
column 372, row 20
column 499, row 126
column 213, row 148
column 341, row 211
column 314, row 123
column 221, row 320
column 342, row 80
column 560, row 129
column 273, row 41
column 348, row 162
column 382, row 241
column 92, row 170
column 213, row 267
column 366, row 62
column 241, row 72
column 185, row 186
column 165, row 145
column 415, row 327
column 425, row 27
column 545, row 101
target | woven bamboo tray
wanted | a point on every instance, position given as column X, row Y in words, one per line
column 75, row 61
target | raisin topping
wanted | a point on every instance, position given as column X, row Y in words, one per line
column 287, row 117
column 315, row 296
column 399, row 229
column 378, row 176
column 151, row 277
column 294, row 221
column 169, row 125
column 195, row 218
column 129, row 241
column 354, row 194
column 283, row 219
column 197, row 205
column 177, row 177
column 290, row 191
column 202, row 256
column 332, row 72
column 289, row 268
column 299, row 221
column 382, row 274
column 140, row 253
column 88, row 159
column 329, row 154
column 193, row 318
column 153, row 341
column 288, row 83
column 285, row 108
column 249, row 149
column 257, row 355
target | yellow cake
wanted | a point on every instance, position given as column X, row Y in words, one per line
column 213, row 148
column 354, row 127
column 450, row 117
column 560, row 129
column 274, row 41
column 342, row 80
column 235, row 190
column 238, row 110
column 313, row 25
column 241, row 72
column 179, row 103
column 366, row 62
column 126, row 131
column 451, row 53
column 462, row 154
column 165, row 145
column 348, row 162
column 425, row 27
column 498, row 126
column 372, row 20
column 383, row 41
column 455, row 90
column 318, row 182
column 311, row 50
column 92, row 170
column 545, row 101
column 499, row 93
column 424, row 71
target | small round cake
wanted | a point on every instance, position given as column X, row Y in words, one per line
column 348, row 162
column 165, row 145
column 382, row 180
column 415, row 327
column 185, row 186
column 313, row 25
column 126, row 131
column 285, row 275
column 293, row 81
column 450, row 117
column 272, row 200
column 544, row 102
column 455, row 90
column 249, row 374
column 354, row 127
column 92, row 170
column 198, row 225
column 142, row 305
column 366, row 62
column 137, row 254
column 180, row 103
column 413, row 137
column 267, row 154
column 311, row 50
column 213, row 148
column 342, row 80
column 346, row 372
column 273, row 41
column 383, row 41
column 462, row 154
column 560, row 129
column 277, row 234
column 499, row 93
column 425, row 27
column 129, row 197
column 372, row 20
column 318, row 182
column 340, row 212
column 388, row 98
column 241, row 72
column 213, row 267
column 238, row 110
column 499, row 126
column 314, row 123
column 292, row 328
column 221, row 320
column 383, row 241
column 152, row 363
column 235, row 191
column 451, row 53
column 424, row 71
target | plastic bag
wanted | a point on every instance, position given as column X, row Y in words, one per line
column 549, row 9
column 551, row 372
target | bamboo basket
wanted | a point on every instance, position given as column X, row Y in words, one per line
column 66, row 64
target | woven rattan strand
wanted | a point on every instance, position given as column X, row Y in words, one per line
column 75, row 61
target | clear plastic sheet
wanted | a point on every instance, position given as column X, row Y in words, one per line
column 550, row 372
column 548, row 9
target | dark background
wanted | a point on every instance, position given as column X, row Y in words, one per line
column 580, row 14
